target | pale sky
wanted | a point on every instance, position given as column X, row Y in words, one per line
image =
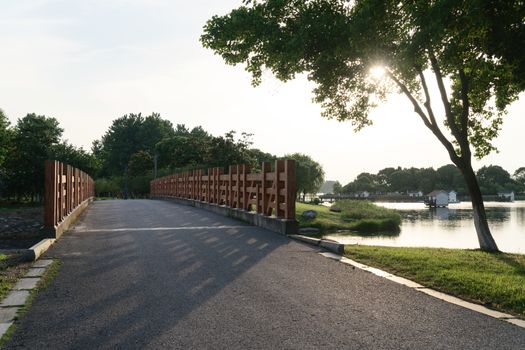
column 89, row 62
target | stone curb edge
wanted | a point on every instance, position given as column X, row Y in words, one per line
column 332, row 246
column 36, row 251
column 337, row 255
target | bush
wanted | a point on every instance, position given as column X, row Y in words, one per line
column 352, row 210
column 315, row 201
column 375, row 226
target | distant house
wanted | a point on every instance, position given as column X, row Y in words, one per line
column 506, row 196
column 362, row 194
column 437, row 199
column 453, row 197
column 414, row 193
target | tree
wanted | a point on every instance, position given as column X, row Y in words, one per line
column 5, row 143
column 76, row 157
column 519, row 177
column 34, row 137
column 309, row 173
column 493, row 179
column 225, row 150
column 449, row 177
column 363, row 182
column 338, row 188
column 358, row 52
column 185, row 148
column 128, row 135
column 140, row 163
column 259, row 156
column 5, row 137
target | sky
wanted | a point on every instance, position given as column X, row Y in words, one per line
column 88, row 62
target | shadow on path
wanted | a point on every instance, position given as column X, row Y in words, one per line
column 238, row 287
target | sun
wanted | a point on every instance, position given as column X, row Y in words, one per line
column 377, row 72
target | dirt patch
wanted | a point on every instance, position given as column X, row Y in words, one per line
column 20, row 227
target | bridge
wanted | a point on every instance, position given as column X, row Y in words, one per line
column 152, row 274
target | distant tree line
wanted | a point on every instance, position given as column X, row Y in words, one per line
column 23, row 149
column 492, row 179
column 129, row 149
column 123, row 161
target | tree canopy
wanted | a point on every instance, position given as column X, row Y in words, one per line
column 128, row 135
column 309, row 173
column 5, row 135
column 34, row 137
column 358, row 52
column 492, row 179
column 338, row 44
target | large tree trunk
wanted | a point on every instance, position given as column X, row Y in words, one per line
column 486, row 241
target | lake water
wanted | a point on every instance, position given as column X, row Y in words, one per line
column 451, row 227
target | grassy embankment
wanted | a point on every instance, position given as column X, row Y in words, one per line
column 496, row 280
column 360, row 216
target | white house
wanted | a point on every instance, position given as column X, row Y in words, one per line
column 506, row 196
column 453, row 197
column 415, row 193
column 437, row 199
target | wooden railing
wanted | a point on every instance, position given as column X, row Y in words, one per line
column 268, row 192
column 66, row 188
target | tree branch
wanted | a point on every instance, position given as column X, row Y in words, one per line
column 443, row 92
column 427, row 104
column 434, row 128
column 464, row 102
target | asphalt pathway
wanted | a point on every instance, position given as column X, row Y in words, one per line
column 144, row 274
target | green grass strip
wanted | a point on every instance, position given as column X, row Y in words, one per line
column 496, row 280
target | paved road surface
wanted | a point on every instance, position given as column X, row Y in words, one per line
column 152, row 274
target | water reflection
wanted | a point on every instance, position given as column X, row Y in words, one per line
column 451, row 227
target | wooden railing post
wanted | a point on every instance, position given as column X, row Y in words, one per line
column 245, row 194
column 279, row 167
column 237, row 187
column 229, row 189
column 266, row 208
column 50, row 194
column 290, row 189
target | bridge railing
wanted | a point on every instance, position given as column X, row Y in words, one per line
column 67, row 192
column 270, row 192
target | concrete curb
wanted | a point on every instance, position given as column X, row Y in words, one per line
column 34, row 252
column 431, row 292
column 281, row 226
column 57, row 231
column 40, row 248
column 306, row 239
column 331, row 246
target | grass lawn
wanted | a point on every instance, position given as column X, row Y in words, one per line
column 11, row 269
column 360, row 216
column 496, row 280
column 325, row 221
